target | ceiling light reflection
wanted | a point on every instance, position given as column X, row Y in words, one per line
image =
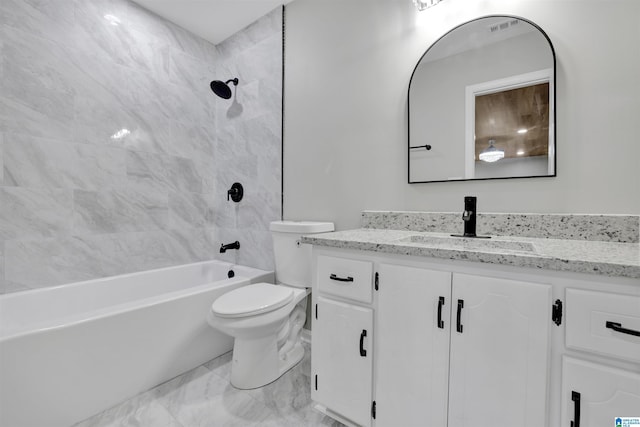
column 425, row 4
column 112, row 19
column 121, row 133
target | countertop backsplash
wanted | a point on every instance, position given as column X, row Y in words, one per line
column 604, row 228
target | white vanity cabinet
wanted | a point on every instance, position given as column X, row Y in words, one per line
column 499, row 352
column 604, row 327
column 463, row 349
column 343, row 334
column 508, row 331
column 412, row 346
column 342, row 359
column 594, row 394
column 442, row 348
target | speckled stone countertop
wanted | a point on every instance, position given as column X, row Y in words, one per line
column 604, row 228
column 607, row 258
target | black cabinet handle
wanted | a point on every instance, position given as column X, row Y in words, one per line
column 459, row 316
column 618, row 328
column 363, row 352
column 440, row 304
column 341, row 279
column 575, row 396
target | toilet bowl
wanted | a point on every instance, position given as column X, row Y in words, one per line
column 266, row 320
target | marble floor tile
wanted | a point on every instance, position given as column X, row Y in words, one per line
column 201, row 398
column 289, row 398
column 204, row 397
column 141, row 410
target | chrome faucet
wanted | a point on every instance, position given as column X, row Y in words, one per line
column 224, row 248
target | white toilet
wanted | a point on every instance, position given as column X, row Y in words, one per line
column 265, row 319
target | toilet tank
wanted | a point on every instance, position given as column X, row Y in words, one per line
column 293, row 259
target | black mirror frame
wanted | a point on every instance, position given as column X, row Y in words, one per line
column 553, row 53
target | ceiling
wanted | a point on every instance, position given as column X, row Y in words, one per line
column 500, row 116
column 213, row 20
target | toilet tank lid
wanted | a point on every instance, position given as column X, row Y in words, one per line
column 301, row 227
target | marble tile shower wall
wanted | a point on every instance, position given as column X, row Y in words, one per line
column 78, row 202
column 249, row 143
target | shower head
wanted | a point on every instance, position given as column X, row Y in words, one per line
column 222, row 89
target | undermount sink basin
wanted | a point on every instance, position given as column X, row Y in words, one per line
column 472, row 244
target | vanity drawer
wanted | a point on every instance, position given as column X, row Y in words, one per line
column 347, row 278
column 603, row 323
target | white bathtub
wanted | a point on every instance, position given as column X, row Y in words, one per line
column 71, row 351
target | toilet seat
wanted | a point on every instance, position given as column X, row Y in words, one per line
column 251, row 300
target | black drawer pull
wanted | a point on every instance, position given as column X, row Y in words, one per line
column 618, row 328
column 459, row 316
column 341, row 279
column 440, row 304
column 575, row 396
column 363, row 352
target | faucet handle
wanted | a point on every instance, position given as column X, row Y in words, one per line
column 466, row 215
column 235, row 192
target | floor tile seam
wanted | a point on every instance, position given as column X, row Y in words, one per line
column 158, row 399
column 171, row 414
column 271, row 411
column 223, row 375
column 243, row 393
column 284, row 413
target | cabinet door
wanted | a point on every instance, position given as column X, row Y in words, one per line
column 341, row 361
column 594, row 395
column 412, row 346
column 499, row 352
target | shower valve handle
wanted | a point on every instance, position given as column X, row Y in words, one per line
column 235, row 192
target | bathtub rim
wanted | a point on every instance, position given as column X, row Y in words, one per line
column 70, row 320
column 18, row 294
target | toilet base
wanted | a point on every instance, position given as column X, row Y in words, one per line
column 257, row 363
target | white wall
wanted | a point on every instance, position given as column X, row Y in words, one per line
column 347, row 71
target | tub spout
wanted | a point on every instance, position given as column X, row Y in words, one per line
column 224, row 248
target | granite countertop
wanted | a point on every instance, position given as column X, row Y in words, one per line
column 605, row 258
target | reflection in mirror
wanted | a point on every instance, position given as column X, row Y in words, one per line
column 481, row 104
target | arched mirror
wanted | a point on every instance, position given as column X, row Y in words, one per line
column 482, row 104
